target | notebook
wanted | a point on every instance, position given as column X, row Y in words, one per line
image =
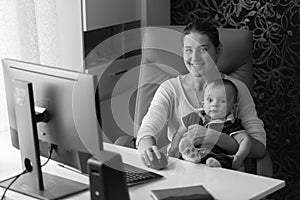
column 183, row 193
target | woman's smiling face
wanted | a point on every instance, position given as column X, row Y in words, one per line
column 199, row 53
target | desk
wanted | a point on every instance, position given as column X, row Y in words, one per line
column 221, row 183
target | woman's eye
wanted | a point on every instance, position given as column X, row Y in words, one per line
column 188, row 51
column 204, row 49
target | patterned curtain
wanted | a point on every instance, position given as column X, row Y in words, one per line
column 276, row 60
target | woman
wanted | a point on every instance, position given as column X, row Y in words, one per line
column 179, row 96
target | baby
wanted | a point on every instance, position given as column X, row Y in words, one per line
column 219, row 107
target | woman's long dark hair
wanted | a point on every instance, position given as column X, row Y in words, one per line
column 206, row 27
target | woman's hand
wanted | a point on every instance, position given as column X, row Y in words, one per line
column 200, row 135
column 152, row 157
column 237, row 162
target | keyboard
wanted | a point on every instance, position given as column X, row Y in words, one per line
column 136, row 176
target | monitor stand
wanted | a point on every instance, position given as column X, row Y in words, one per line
column 35, row 183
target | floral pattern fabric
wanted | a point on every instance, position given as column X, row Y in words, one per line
column 276, row 61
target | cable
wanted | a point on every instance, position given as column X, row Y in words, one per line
column 28, row 169
column 53, row 147
column 15, row 178
column 71, row 169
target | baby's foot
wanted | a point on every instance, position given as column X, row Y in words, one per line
column 191, row 154
column 212, row 162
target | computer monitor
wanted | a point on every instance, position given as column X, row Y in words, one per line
column 69, row 122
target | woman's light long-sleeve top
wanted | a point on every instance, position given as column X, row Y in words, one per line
column 170, row 104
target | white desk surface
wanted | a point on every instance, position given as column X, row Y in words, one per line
column 221, row 183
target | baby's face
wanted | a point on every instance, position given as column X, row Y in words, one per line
column 215, row 104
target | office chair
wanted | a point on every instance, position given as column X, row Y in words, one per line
column 162, row 59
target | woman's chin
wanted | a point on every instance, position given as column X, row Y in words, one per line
column 196, row 74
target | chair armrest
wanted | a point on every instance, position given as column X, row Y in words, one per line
column 264, row 166
column 261, row 166
column 126, row 141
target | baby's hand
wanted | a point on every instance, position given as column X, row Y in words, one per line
column 237, row 162
column 184, row 144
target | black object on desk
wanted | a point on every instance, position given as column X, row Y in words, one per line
column 197, row 192
column 110, row 178
column 107, row 177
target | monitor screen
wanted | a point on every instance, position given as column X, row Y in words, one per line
column 70, row 101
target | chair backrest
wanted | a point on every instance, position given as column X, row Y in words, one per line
column 162, row 59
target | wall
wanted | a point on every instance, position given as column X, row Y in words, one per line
column 276, row 58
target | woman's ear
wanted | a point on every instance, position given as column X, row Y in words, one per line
column 234, row 109
column 219, row 50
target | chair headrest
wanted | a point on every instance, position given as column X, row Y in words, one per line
column 162, row 46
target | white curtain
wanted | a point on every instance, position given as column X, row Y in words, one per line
column 28, row 31
column 9, row 47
